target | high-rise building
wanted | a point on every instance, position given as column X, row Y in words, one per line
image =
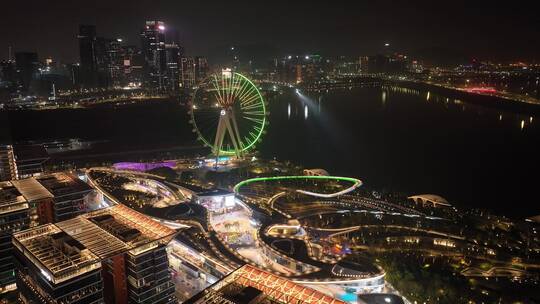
column 101, row 59
column 133, row 65
column 193, row 70
column 114, row 60
column 154, row 52
column 363, row 61
column 113, row 255
column 87, row 52
column 8, row 166
column 188, row 68
column 8, row 74
column 27, row 64
column 173, row 52
column 201, row 68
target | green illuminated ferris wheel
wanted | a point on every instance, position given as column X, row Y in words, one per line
column 228, row 114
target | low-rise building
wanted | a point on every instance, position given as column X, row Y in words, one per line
column 112, row 255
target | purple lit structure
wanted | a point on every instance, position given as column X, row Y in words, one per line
column 142, row 167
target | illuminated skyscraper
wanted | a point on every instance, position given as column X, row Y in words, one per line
column 201, row 68
column 173, row 53
column 87, row 51
column 187, row 65
column 154, row 52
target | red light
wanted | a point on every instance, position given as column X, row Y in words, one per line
column 482, row 90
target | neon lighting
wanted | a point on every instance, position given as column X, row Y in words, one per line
column 356, row 183
column 228, row 90
column 481, row 90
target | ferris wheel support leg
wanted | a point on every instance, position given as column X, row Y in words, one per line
column 237, row 133
column 220, row 133
column 232, row 135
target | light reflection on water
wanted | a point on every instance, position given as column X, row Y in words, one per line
column 416, row 141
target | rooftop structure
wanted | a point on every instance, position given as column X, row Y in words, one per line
column 59, row 256
column 60, row 184
column 430, row 199
column 30, row 159
column 249, row 284
column 117, row 254
column 70, row 195
column 11, row 198
column 114, row 230
column 31, row 190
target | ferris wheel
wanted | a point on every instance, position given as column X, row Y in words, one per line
column 228, row 114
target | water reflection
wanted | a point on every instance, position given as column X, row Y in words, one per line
column 306, row 112
column 289, row 111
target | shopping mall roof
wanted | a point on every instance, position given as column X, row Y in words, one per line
column 431, row 198
column 270, row 286
column 214, row 192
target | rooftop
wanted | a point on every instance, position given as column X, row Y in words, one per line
column 67, row 249
column 273, row 287
column 58, row 255
column 62, row 184
column 10, row 198
column 114, row 230
column 214, row 192
column 31, row 190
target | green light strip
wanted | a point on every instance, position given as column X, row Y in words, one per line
column 245, row 90
column 356, row 183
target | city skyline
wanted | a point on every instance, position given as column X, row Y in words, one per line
column 458, row 31
column 166, row 152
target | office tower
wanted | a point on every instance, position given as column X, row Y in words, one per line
column 133, row 65
column 87, row 52
column 173, row 53
column 27, row 64
column 187, row 65
column 70, row 195
column 154, row 52
column 114, row 61
column 201, row 69
column 8, row 166
column 14, row 216
column 8, row 73
column 113, row 255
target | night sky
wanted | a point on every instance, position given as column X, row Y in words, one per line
column 483, row 29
